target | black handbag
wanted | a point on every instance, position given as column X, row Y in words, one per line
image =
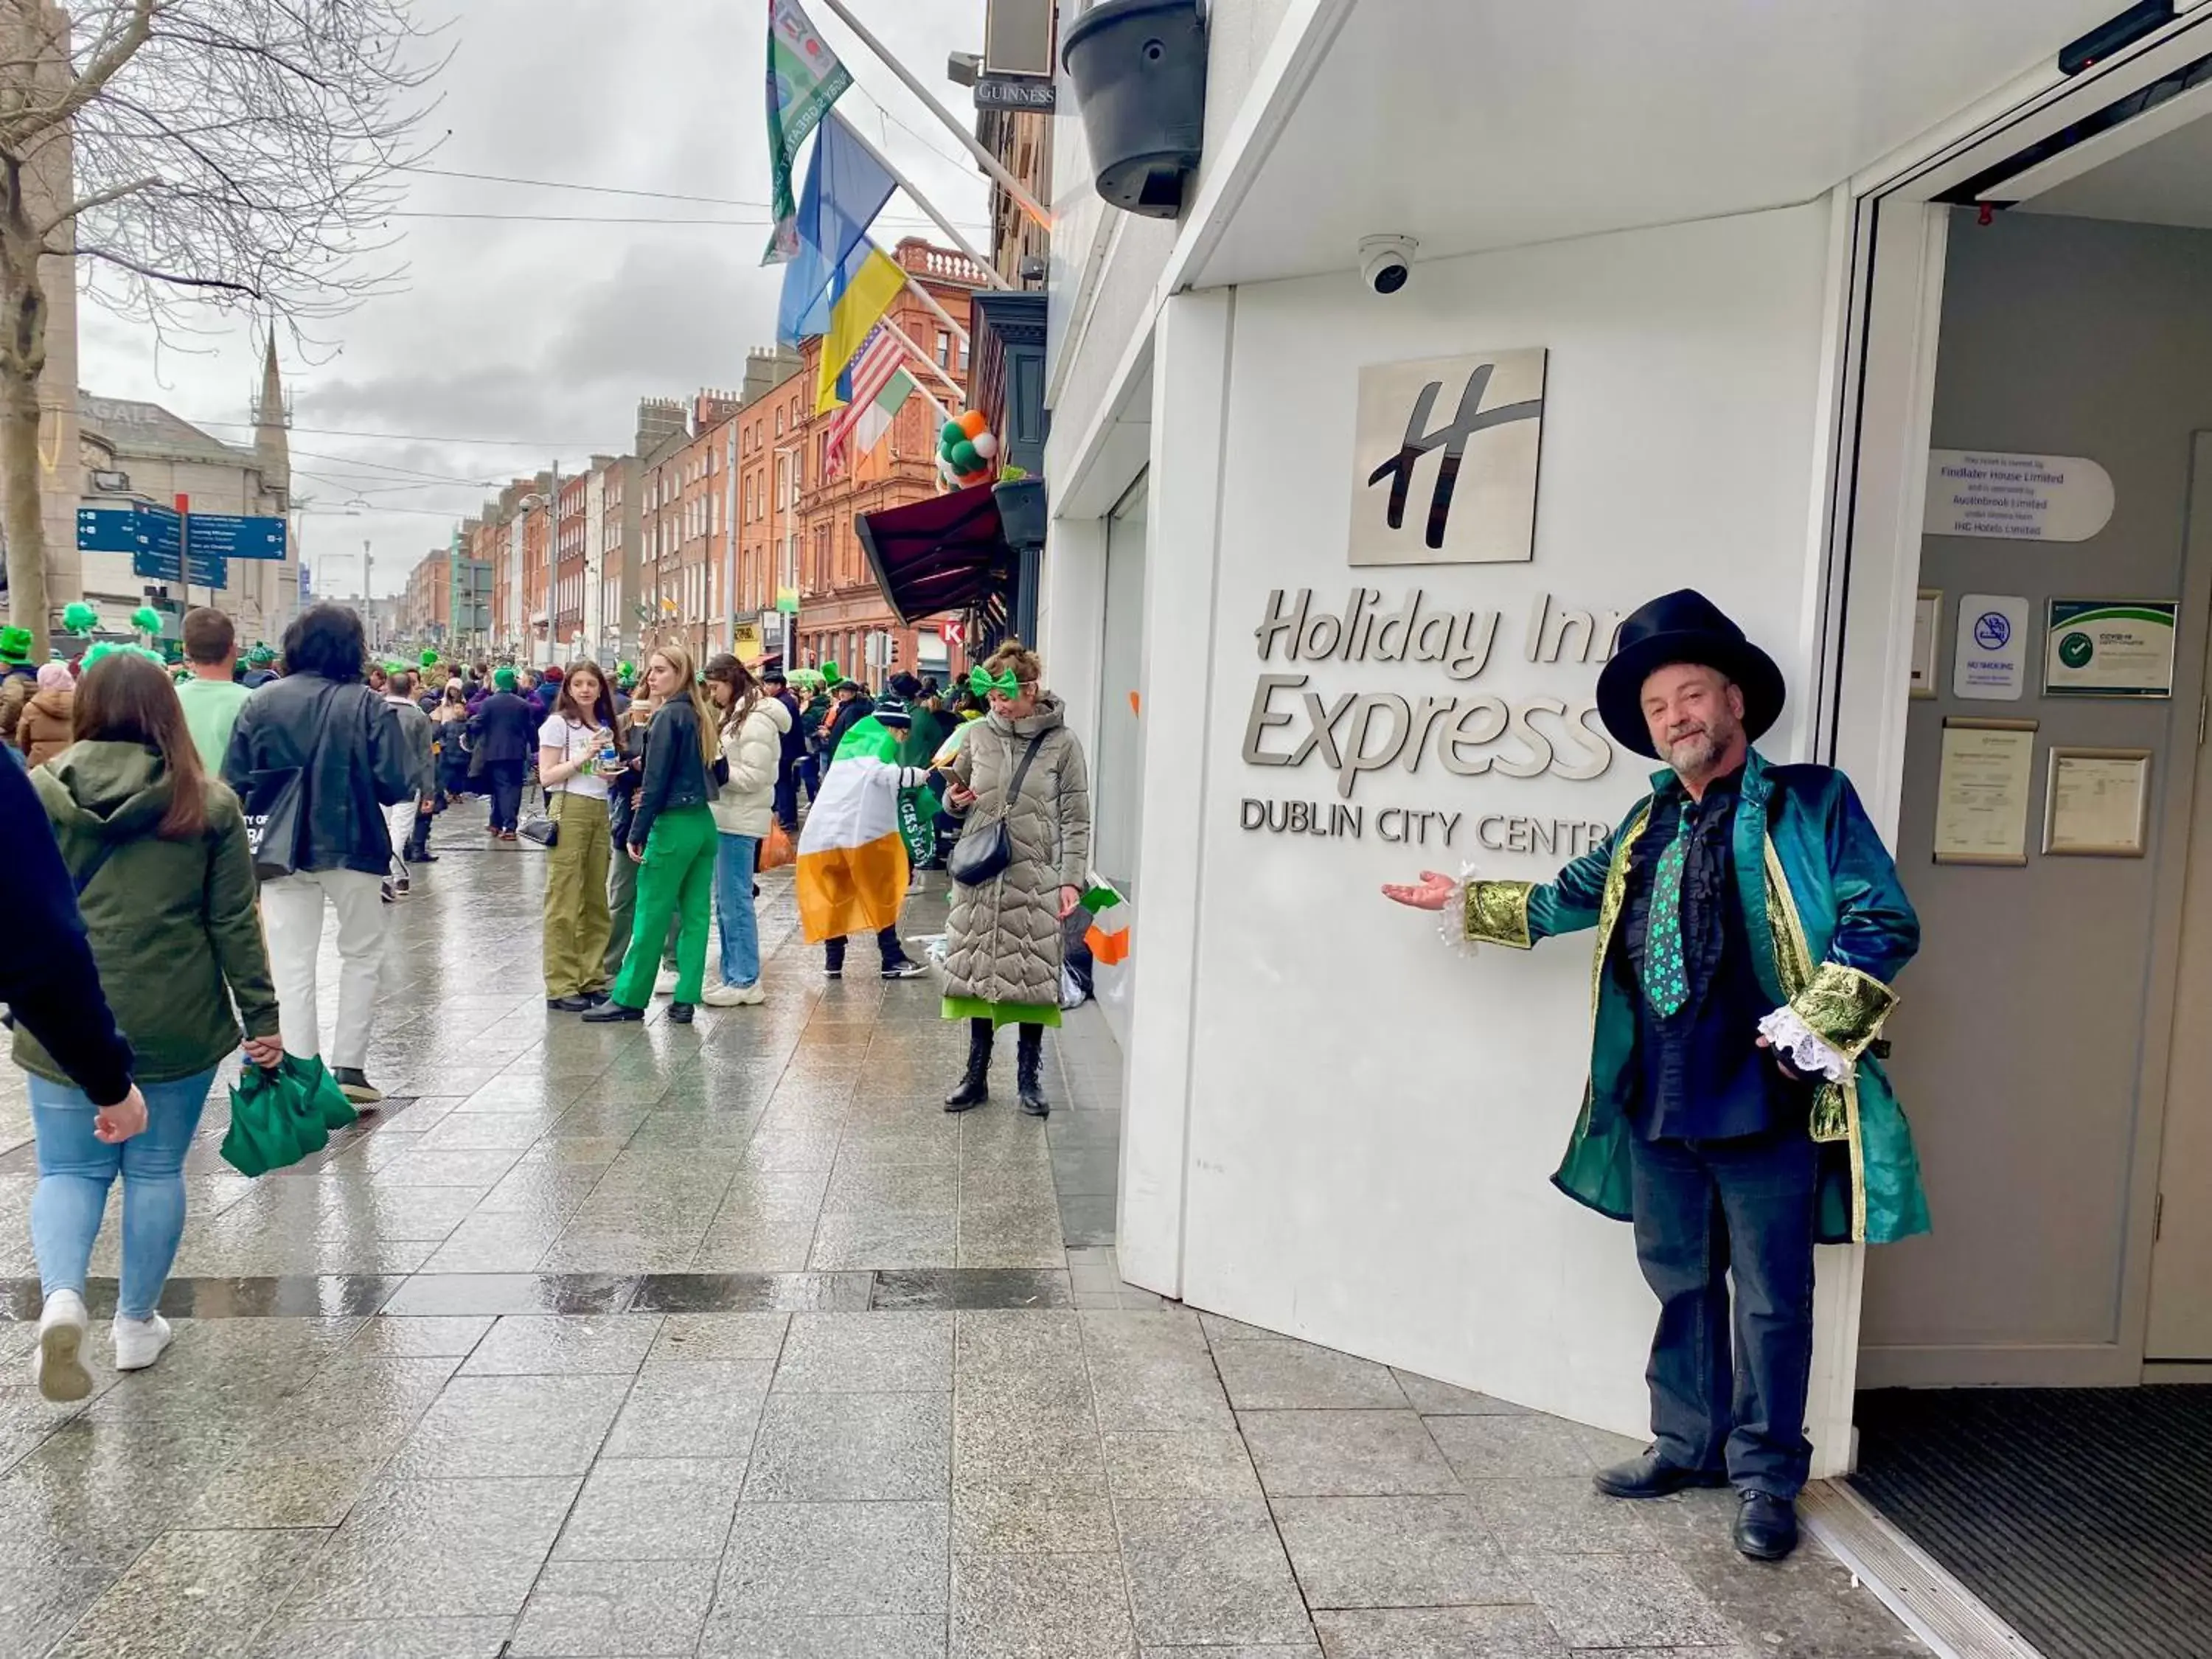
column 273, row 804
column 982, row 855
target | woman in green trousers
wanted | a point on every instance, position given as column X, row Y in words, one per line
column 579, row 753
column 672, row 840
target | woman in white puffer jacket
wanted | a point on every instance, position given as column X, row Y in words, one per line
column 753, row 724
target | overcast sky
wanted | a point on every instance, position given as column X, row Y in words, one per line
column 547, row 334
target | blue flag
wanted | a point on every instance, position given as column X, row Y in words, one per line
column 846, row 188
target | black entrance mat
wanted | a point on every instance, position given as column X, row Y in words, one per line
column 2082, row 1516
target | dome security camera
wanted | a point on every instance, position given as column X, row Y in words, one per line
column 1385, row 262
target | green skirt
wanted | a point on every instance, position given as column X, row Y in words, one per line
column 1002, row 1013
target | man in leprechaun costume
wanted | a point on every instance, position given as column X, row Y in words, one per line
column 1749, row 924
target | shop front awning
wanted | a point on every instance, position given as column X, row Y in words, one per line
column 946, row 554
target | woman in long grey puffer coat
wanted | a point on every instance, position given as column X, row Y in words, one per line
column 1003, row 957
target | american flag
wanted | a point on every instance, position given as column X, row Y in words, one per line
column 873, row 373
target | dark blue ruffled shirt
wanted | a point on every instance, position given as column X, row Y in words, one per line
column 1700, row 1073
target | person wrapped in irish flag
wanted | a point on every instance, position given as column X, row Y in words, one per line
column 853, row 871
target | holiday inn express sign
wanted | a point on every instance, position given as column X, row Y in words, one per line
column 1445, row 461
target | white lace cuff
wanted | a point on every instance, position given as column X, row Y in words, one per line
column 1451, row 923
column 1798, row 1043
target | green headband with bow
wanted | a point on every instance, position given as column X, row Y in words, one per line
column 982, row 683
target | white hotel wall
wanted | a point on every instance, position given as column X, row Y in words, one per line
column 1336, row 1127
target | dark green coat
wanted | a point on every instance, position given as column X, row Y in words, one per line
column 173, row 925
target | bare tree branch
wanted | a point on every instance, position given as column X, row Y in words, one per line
column 85, row 204
column 187, row 158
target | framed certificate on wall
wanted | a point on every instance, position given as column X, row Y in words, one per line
column 2096, row 803
column 1982, row 793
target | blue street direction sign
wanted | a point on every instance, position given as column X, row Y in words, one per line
column 107, row 530
column 228, row 535
column 157, row 542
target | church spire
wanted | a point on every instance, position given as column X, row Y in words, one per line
column 270, row 418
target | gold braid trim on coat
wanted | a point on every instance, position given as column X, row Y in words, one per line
column 1496, row 912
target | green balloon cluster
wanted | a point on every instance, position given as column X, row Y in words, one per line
column 966, row 447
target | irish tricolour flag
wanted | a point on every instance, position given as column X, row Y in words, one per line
column 852, row 873
column 1112, row 917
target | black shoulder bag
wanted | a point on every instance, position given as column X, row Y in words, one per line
column 982, row 855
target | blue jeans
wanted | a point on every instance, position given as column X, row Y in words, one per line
column 1705, row 1211
column 76, row 1170
column 733, row 905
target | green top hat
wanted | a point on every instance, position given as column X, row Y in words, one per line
column 15, row 645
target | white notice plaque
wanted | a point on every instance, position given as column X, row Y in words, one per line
column 1981, row 794
column 1989, row 662
column 2027, row 498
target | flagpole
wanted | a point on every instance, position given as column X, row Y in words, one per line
column 921, row 357
column 914, row 195
column 942, row 315
column 990, row 163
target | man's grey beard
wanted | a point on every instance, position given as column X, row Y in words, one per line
column 1698, row 752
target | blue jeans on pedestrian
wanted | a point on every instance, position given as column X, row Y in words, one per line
column 1730, row 1393
column 506, row 778
column 733, row 907
column 75, row 1169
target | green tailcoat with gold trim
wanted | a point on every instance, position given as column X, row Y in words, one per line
column 1829, row 928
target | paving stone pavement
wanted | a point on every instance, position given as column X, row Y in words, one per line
column 640, row 1341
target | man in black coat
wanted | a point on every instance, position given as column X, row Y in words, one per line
column 792, row 757
column 854, row 706
column 316, row 757
column 503, row 736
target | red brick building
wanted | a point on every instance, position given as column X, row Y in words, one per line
column 569, row 547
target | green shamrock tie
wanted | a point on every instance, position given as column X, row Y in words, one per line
column 1666, row 983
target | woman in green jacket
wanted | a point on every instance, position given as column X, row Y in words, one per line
column 165, row 880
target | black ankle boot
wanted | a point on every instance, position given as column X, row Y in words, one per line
column 975, row 1085
column 418, row 844
column 1029, row 1060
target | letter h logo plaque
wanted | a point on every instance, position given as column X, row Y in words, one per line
column 1444, row 462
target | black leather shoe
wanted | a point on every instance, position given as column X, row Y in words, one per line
column 1766, row 1526
column 610, row 1013
column 680, row 1012
column 568, row 1005
column 1652, row 1476
column 596, row 999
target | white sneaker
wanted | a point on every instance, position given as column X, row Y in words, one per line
column 139, row 1342
column 733, row 996
column 57, row 1365
column 664, row 986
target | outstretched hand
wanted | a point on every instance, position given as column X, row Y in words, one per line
column 1432, row 892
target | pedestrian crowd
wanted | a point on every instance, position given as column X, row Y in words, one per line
column 176, row 841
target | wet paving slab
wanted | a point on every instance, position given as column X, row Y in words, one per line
column 725, row 1340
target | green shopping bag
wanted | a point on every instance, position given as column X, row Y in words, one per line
column 330, row 1103
column 282, row 1114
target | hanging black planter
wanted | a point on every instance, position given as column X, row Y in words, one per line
column 1021, row 511
column 1140, row 72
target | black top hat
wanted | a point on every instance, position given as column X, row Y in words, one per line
column 1683, row 626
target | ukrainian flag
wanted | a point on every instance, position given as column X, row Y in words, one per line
column 866, row 283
